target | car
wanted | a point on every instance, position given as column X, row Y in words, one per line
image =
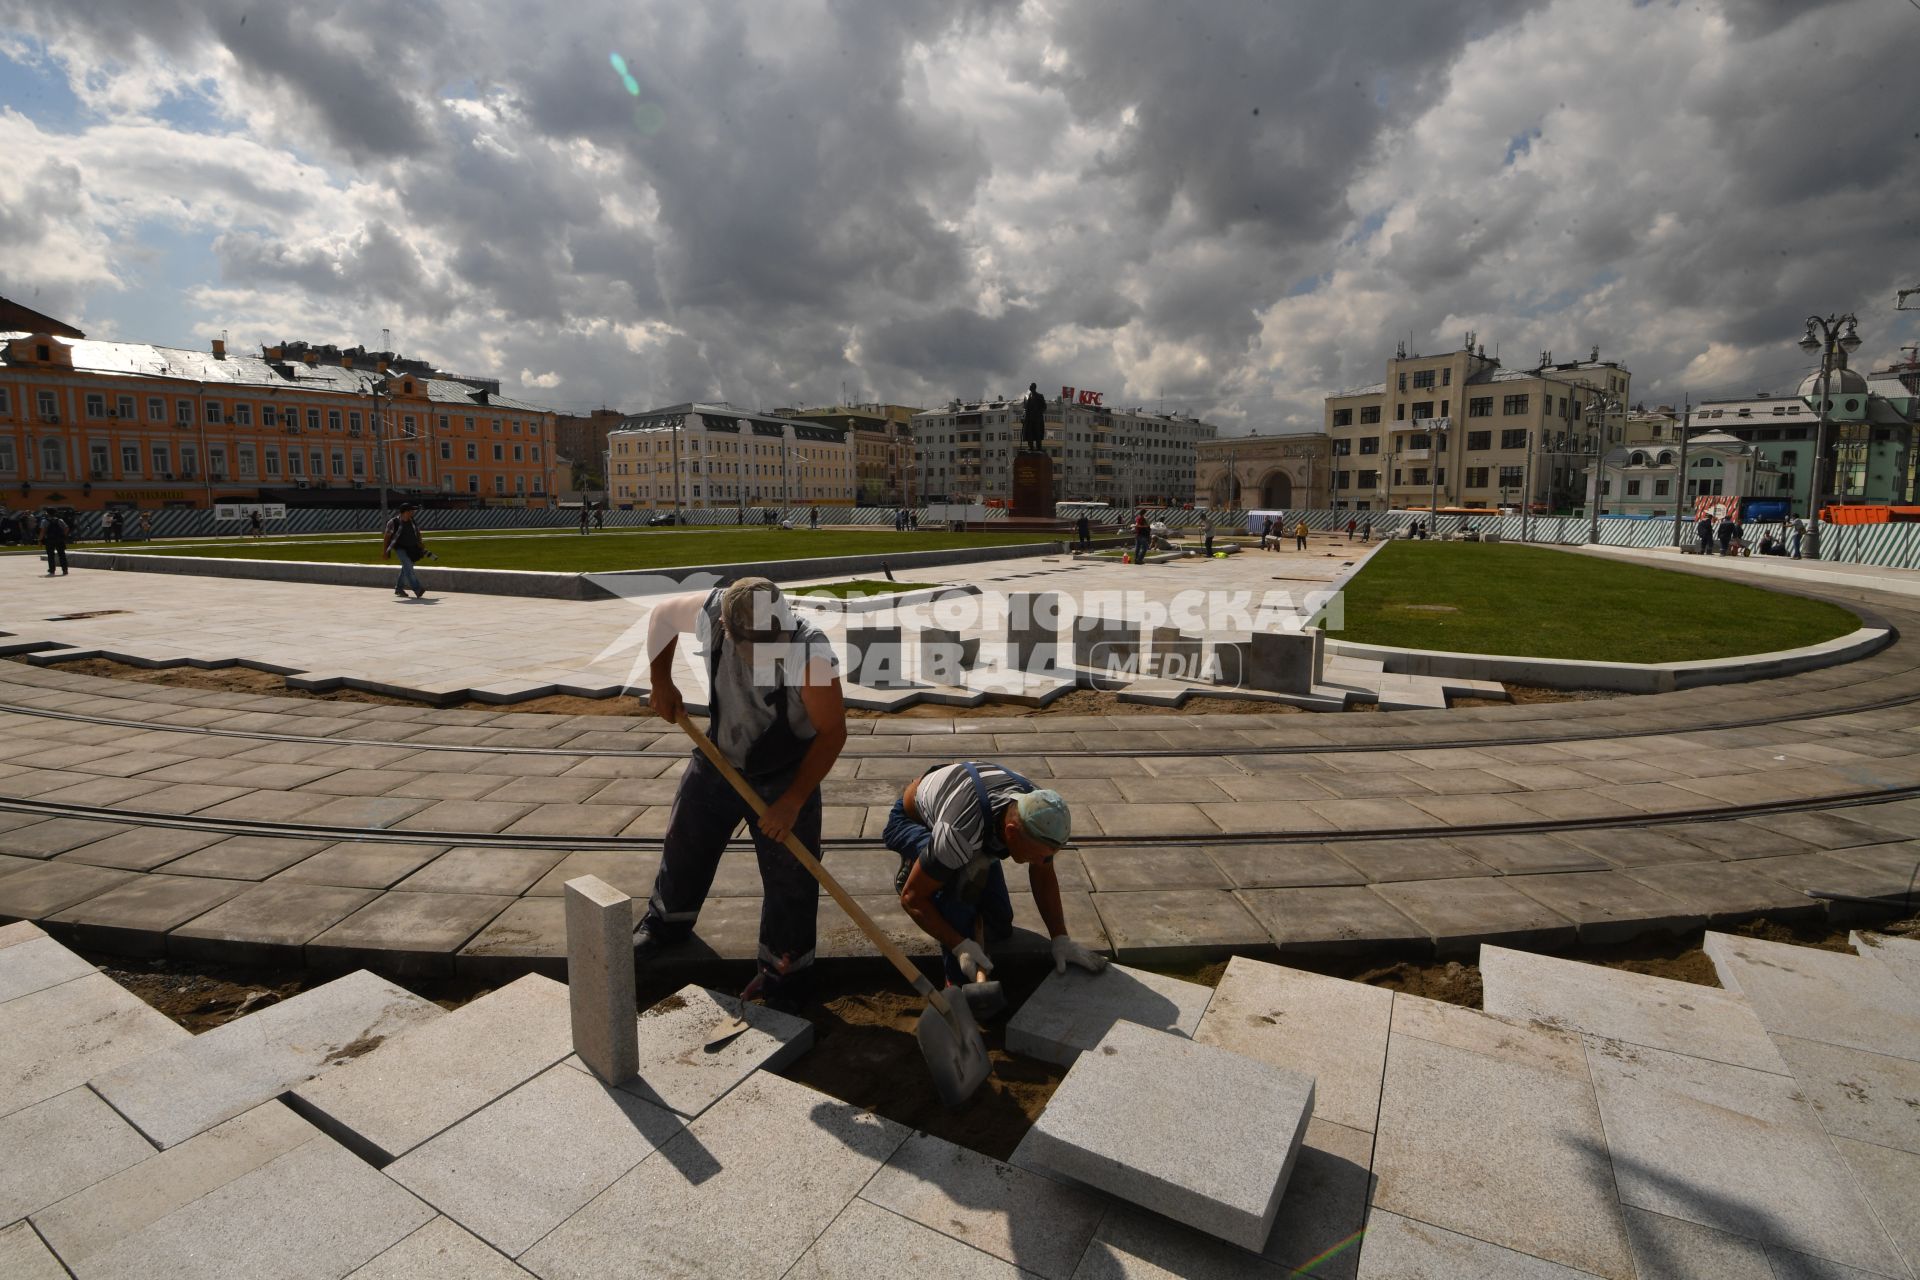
column 665, row 517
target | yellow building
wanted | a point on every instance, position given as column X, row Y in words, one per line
column 882, row 436
column 93, row 425
column 714, row 455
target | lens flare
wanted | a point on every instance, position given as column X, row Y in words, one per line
column 626, row 76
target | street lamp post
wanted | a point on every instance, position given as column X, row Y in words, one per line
column 1834, row 345
column 1597, row 434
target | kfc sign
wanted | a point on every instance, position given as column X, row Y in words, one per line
column 1067, row 395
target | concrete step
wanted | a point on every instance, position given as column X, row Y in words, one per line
column 188, row 1089
column 1827, row 997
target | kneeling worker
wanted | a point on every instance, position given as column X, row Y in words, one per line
column 953, row 827
column 775, row 711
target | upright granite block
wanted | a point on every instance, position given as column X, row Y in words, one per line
column 187, row 1089
column 412, row 1087
column 1187, row 1130
column 1176, row 655
column 875, row 657
column 946, row 657
column 600, row 978
column 1072, row 1012
column 1033, row 632
column 1107, row 648
column 1284, row 661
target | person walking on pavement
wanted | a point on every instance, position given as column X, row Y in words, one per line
column 1352, row 524
column 1703, row 532
column 1084, row 528
column 1366, row 534
column 1300, row 535
column 583, row 519
column 954, row 827
column 53, row 535
column 1266, row 531
column 1798, row 530
column 255, row 526
column 1142, row 536
column 403, row 540
column 813, row 518
column 775, row 711
column 600, row 516
column 1725, row 534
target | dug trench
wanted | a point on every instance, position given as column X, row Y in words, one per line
column 864, row 1048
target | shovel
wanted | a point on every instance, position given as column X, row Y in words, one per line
column 949, row 1037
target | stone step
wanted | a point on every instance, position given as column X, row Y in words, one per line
column 1071, row 1012
column 1190, row 1131
column 1900, row 955
column 179, row 1092
column 1330, row 1029
column 63, row 1036
column 36, row 964
column 419, row 1083
column 1632, row 1008
column 1824, row 996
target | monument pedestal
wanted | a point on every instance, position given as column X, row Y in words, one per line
column 1032, row 486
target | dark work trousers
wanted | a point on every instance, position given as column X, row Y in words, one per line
column 58, row 553
column 993, row 907
column 705, row 811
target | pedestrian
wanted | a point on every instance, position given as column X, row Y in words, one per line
column 1207, row 547
column 1142, row 536
column 403, row 540
column 53, row 535
column 1725, row 534
column 776, row 713
column 255, row 526
column 1352, row 524
column 583, row 519
column 1300, row 535
column 143, row 529
column 1266, row 531
column 600, row 516
column 1366, row 532
column 1703, row 532
column 954, row 827
column 1739, row 536
column 1798, row 531
column 1084, row 527
column 813, row 518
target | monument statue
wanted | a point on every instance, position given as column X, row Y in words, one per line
column 1033, row 421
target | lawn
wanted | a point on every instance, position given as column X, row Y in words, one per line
column 603, row 552
column 862, row 587
column 1479, row 598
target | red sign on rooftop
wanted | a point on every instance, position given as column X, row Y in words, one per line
column 1068, row 394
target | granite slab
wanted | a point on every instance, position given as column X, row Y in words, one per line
column 1070, row 1013
column 441, row 1250
column 1866, row 1096
column 1400, row 1248
column 866, row 1240
column 64, row 1036
column 59, row 1146
column 23, row 1256
column 36, row 965
column 1819, row 995
column 677, row 1072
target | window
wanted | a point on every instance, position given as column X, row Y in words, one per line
column 1422, row 378
column 156, row 409
column 518, row 456
column 162, row 461
column 496, row 426
column 97, row 464
column 443, row 422
column 130, row 459
column 1446, row 377
column 520, row 485
column 1563, row 405
column 217, row 460
column 469, row 424
column 245, row 457
column 500, row 485
column 446, row 451
column 7, row 462
column 333, row 420
column 1341, row 448
column 1419, row 475
column 122, row 407
column 1400, row 413
column 213, row 411
column 1510, row 477
column 189, row 461
column 1369, row 444
column 359, row 465
column 499, row 453
column 1662, row 488
column 1513, row 438
column 50, row 456
column 533, row 451
column 1476, row 477
column 413, row 466
column 313, row 419
column 473, row 452
column 318, row 469
column 340, row 463
column 293, row 462
column 96, row 405
column 49, row 407
column 273, row 463
column 1343, row 417
column 267, row 418
column 1403, row 382
column 1513, row 404
column 183, row 412
column 1421, row 441
column 1633, row 488
column 407, row 427
column 473, row 484
column 6, row 403
column 243, row 415
column 1480, row 407
column 353, row 422
column 1789, row 457
column 1422, row 409
column 1444, row 406
column 1479, row 440
column 1369, row 414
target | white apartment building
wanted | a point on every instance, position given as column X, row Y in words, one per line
column 965, row 451
column 714, row 455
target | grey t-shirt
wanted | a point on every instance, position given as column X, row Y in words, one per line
column 964, row 839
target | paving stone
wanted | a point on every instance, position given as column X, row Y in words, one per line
column 1421, row 858
column 1819, row 995
column 1072, row 1012
column 1255, row 866
column 1332, row 920
column 630, row 872
column 134, row 918
column 1635, row 1008
column 1505, row 1147
column 1040, row 1225
column 1833, row 830
column 441, row 1250
column 59, row 1146
column 1460, row 913
column 406, row 932
column 1333, row 1031
column 110, row 1210
column 376, row 812
column 267, row 922
column 56, row 835
column 1673, row 1249
column 39, row 890
column 1890, row 1181
column 529, row 929
column 1121, row 869
column 1862, row 1095
column 1533, row 854
column 482, row 870
column 1724, row 891
column 1736, row 1150
column 63, row 1036
column 36, row 965
column 678, row 1073
column 1526, row 1043
column 679, row 1213
column 186, row 1089
column 141, row 849
column 12, row 935
column 1638, row 846
column 390, row 1100
column 24, row 1257
column 247, row 857
column 1900, row 955
column 1398, row 1248
column 1608, row 906
column 317, row 1210
column 522, row 1165
column 362, row 864
column 1171, row 925
column 1220, row 1165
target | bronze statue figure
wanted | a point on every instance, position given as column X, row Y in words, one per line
column 1033, row 421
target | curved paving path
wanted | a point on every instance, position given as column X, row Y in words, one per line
column 227, row 826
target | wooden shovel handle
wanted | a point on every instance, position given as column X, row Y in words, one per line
column 887, row 948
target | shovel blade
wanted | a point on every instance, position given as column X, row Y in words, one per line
column 956, row 1055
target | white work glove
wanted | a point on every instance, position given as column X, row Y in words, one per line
column 1066, row 951
column 973, row 957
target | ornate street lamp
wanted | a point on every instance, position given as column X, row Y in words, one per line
column 1837, row 338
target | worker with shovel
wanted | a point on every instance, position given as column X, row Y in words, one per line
column 954, row 827
column 776, row 716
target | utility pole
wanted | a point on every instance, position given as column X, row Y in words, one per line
column 1526, row 492
column 675, row 427
column 379, row 446
column 1680, row 481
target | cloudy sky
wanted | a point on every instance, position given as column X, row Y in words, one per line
column 1229, row 208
